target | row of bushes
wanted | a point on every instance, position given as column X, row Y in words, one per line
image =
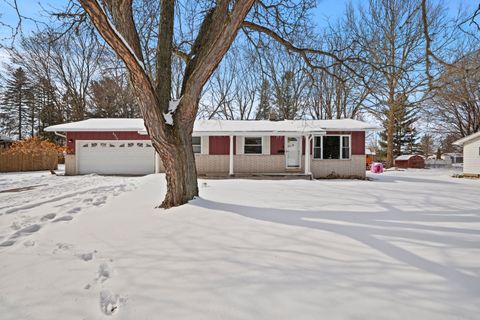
column 31, row 154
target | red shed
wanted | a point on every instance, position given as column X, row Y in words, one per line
column 410, row 161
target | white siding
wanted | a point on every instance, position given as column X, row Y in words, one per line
column 471, row 157
column 265, row 145
column 239, row 144
column 205, row 144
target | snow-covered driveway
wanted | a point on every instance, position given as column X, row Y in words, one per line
column 404, row 246
column 30, row 201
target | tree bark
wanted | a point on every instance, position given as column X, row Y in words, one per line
column 390, row 133
column 179, row 162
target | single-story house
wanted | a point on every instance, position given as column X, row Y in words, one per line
column 471, row 154
column 410, row 161
column 453, row 157
column 334, row 148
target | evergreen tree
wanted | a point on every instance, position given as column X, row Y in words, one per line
column 18, row 111
column 264, row 111
column 49, row 110
column 405, row 139
column 286, row 106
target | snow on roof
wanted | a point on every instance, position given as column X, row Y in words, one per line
column 213, row 127
column 406, row 156
column 466, row 139
column 106, row 124
column 370, row 152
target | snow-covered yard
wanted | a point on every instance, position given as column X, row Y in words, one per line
column 404, row 246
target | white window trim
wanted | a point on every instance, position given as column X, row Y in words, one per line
column 341, row 146
column 201, row 146
column 252, row 154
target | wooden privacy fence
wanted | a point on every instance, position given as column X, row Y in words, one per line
column 32, row 161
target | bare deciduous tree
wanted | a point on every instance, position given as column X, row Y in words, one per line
column 391, row 33
column 456, row 100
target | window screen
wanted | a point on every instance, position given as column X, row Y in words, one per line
column 253, row 145
column 197, row 144
column 331, row 147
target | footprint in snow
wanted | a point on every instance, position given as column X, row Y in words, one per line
column 49, row 216
column 62, row 247
column 29, row 243
column 74, row 210
column 110, row 302
column 87, row 256
column 104, row 273
column 63, row 218
column 7, row 243
column 100, row 201
column 26, row 231
column 15, row 226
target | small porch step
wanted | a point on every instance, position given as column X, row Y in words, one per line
column 260, row 176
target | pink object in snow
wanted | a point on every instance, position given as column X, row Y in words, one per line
column 377, row 167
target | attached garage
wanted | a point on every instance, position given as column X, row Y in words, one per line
column 135, row 157
column 107, row 146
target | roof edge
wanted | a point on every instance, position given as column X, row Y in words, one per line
column 462, row 141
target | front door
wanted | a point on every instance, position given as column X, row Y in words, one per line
column 292, row 152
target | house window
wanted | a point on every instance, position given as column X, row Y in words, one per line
column 252, row 145
column 317, row 148
column 197, row 144
column 345, row 147
column 332, row 147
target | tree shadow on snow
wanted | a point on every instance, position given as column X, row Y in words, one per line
column 368, row 228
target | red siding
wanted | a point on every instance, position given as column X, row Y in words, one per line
column 414, row 162
column 120, row 135
column 358, row 140
column 220, row 145
column 277, row 145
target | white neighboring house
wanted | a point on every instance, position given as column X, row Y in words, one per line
column 471, row 154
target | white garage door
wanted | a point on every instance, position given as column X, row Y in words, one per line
column 115, row 157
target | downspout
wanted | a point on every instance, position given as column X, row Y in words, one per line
column 60, row 135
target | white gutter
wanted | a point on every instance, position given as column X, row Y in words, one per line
column 60, row 135
column 255, row 133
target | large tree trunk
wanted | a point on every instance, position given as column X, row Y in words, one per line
column 179, row 162
column 390, row 133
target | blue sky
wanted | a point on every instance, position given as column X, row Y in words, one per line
column 327, row 10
